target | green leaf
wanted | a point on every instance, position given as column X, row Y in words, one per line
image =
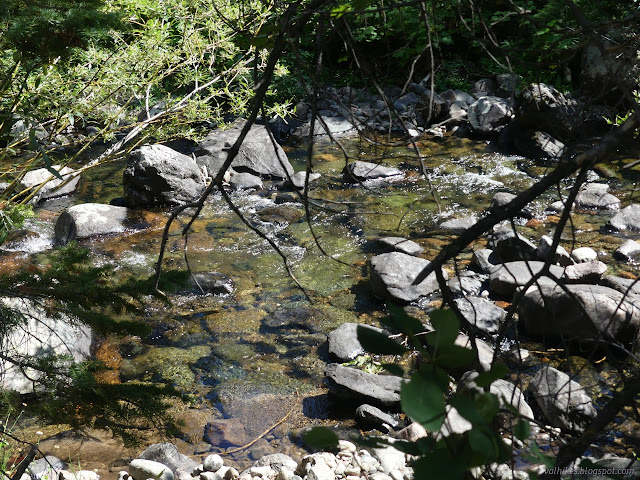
column 467, row 408
column 361, row 4
column 522, row 430
column 393, row 369
column 455, row 356
column 321, row 438
column 447, row 327
column 482, row 443
column 488, row 405
column 402, row 321
column 377, row 342
column 499, row 370
column 340, row 10
column 439, row 464
column 423, row 400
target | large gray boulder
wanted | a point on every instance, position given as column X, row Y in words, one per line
column 258, row 155
column 52, row 185
column 356, row 385
column 489, row 115
column 542, row 104
column 505, row 278
column 626, row 219
column 39, row 336
column 88, row 219
column 392, row 276
column 579, row 312
column 563, row 401
column 157, row 175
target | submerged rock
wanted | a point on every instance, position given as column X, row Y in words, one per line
column 39, row 337
column 392, row 275
column 563, row 401
column 213, row 282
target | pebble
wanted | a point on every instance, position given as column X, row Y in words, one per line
column 212, row 463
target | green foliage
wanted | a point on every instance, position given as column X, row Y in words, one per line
column 12, row 216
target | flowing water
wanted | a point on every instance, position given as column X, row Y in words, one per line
column 251, row 358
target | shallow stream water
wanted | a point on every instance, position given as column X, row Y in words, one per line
column 257, row 356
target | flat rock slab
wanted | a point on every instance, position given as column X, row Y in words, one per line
column 360, row 171
column 400, row 244
column 626, row 219
column 257, row 155
column 469, row 283
column 52, row 185
column 392, row 275
column 506, row 278
column 365, row 387
column 459, row 224
column 88, row 219
column 482, row 313
column 563, row 401
column 157, row 175
column 580, row 312
column 344, row 344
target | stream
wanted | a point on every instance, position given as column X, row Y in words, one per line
column 254, row 357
